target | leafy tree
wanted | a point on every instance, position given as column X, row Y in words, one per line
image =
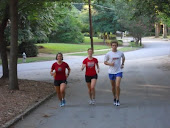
column 69, row 30
column 165, row 19
column 104, row 18
column 30, row 6
column 137, row 25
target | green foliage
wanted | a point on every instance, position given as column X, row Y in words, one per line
column 29, row 48
column 165, row 19
column 137, row 25
column 105, row 21
column 120, row 42
column 69, row 30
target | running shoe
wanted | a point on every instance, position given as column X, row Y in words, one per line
column 114, row 101
column 61, row 104
column 117, row 103
column 90, row 102
column 64, row 102
column 93, row 102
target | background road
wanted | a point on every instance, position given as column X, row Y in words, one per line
column 144, row 93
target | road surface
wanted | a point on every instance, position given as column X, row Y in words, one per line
column 144, row 93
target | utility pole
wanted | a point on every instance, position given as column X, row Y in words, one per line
column 90, row 22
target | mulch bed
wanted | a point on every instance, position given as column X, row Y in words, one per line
column 14, row 102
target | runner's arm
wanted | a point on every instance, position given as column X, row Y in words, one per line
column 97, row 67
column 83, row 66
column 106, row 59
column 69, row 70
column 51, row 72
column 109, row 64
column 123, row 61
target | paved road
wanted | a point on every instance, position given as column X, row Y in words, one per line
column 144, row 94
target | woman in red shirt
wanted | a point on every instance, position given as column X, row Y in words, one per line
column 60, row 77
column 91, row 76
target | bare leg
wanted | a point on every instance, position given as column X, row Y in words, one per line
column 113, row 88
column 62, row 90
column 89, row 89
column 118, row 80
column 57, row 88
column 93, row 84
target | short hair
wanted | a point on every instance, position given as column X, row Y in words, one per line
column 59, row 53
column 114, row 42
column 89, row 49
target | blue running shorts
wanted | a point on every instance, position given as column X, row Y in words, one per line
column 113, row 76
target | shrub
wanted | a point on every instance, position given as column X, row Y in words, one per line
column 120, row 42
column 112, row 37
column 29, row 48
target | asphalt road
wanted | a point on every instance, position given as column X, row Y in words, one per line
column 144, row 93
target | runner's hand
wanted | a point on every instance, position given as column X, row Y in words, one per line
column 98, row 70
column 52, row 74
column 111, row 64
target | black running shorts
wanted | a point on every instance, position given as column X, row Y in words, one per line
column 59, row 82
column 88, row 78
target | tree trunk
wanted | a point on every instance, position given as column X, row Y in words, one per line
column 156, row 30
column 13, row 80
column 104, row 39
column 3, row 51
column 140, row 41
column 164, row 31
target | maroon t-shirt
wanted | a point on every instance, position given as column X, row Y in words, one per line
column 60, row 70
column 90, row 66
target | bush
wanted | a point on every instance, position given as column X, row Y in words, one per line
column 29, row 48
column 120, row 42
column 112, row 37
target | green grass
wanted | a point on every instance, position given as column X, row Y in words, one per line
column 34, row 59
column 95, row 53
column 53, row 48
column 127, row 49
column 95, row 40
column 133, row 44
column 124, row 49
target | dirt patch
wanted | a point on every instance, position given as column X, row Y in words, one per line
column 165, row 64
column 14, row 102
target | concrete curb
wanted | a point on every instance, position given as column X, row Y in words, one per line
column 26, row 112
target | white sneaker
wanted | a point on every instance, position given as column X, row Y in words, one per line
column 90, row 102
column 114, row 101
column 93, row 102
column 117, row 103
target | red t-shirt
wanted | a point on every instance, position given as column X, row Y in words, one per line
column 90, row 66
column 60, row 70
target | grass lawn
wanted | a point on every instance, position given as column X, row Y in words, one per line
column 53, row 48
column 95, row 40
column 36, row 59
column 95, row 53
column 33, row 59
column 124, row 49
